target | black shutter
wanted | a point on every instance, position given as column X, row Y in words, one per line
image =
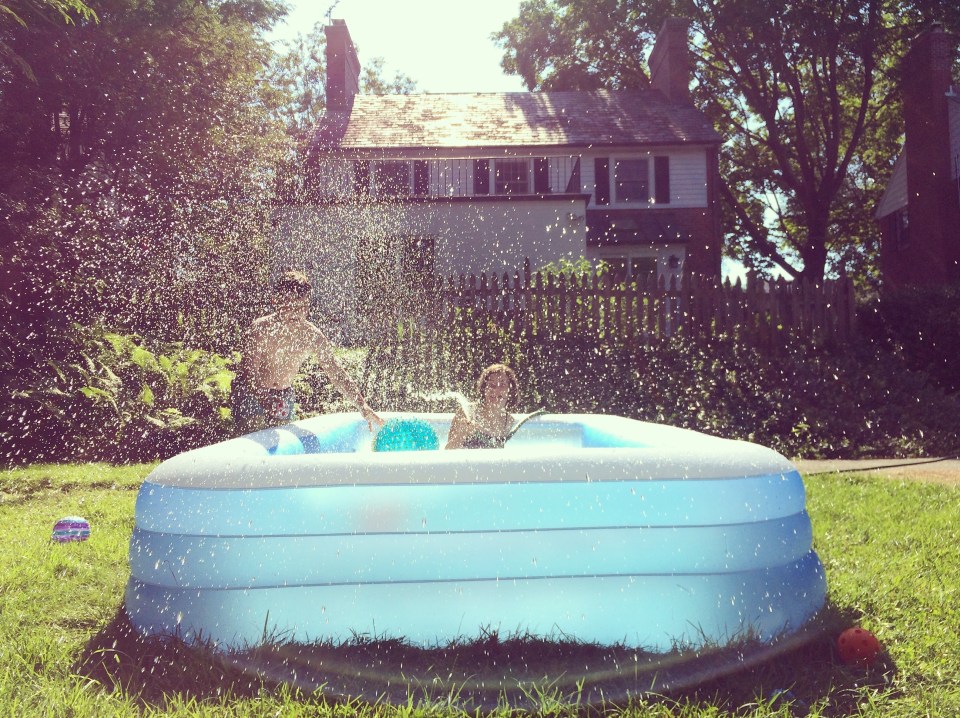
column 541, row 175
column 421, row 177
column 661, row 180
column 361, row 178
column 573, row 185
column 481, row 176
column 601, row 172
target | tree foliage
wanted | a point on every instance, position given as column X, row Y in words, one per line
column 141, row 159
column 134, row 181
column 297, row 77
column 806, row 93
column 42, row 10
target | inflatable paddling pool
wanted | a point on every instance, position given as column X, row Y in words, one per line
column 595, row 528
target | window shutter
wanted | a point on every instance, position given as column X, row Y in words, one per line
column 481, row 176
column 421, row 177
column 601, row 171
column 573, row 185
column 661, row 180
column 361, row 178
column 541, row 175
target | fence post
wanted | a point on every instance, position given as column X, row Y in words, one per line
column 850, row 313
column 537, row 297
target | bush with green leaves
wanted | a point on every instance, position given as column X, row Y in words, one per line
column 853, row 401
column 923, row 324
column 117, row 398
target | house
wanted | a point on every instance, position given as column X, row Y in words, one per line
column 411, row 185
column 919, row 213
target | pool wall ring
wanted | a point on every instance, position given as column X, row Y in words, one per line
column 599, row 528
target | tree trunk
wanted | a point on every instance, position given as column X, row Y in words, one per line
column 814, row 253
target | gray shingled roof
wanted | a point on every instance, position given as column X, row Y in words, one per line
column 511, row 119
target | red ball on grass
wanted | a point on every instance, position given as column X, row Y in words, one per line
column 858, row 647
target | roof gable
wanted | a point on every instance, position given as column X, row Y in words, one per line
column 514, row 119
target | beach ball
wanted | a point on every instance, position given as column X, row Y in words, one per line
column 858, row 646
column 406, row 435
column 71, row 528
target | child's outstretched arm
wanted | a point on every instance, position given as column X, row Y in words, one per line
column 341, row 380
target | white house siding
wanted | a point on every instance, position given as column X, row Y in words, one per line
column 895, row 196
column 688, row 179
column 496, row 236
column 489, row 236
column 333, row 177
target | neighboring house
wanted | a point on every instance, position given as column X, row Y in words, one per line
column 407, row 185
column 919, row 213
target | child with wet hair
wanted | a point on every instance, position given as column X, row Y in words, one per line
column 486, row 424
column 274, row 348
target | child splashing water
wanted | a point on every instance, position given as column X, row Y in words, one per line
column 486, row 424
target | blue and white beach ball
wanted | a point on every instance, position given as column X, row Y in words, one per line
column 71, row 528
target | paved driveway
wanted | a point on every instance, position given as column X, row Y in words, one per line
column 940, row 472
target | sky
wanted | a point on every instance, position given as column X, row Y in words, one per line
column 443, row 45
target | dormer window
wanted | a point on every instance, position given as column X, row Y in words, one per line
column 391, row 179
column 631, row 181
column 511, row 176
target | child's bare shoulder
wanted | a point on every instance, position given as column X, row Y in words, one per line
column 261, row 323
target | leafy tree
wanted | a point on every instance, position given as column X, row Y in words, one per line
column 66, row 8
column 135, row 188
column 41, row 9
column 298, row 79
column 298, row 76
column 135, row 181
column 807, row 94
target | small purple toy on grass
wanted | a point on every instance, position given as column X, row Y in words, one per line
column 71, row 528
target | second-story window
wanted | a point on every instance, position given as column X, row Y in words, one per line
column 511, row 177
column 391, row 178
column 632, row 180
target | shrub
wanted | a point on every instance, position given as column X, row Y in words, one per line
column 853, row 401
column 850, row 402
column 115, row 398
column 923, row 323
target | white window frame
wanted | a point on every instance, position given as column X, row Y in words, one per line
column 527, row 163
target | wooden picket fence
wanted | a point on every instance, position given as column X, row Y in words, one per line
column 764, row 314
column 555, row 323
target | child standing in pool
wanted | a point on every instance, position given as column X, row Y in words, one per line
column 274, row 349
column 490, row 419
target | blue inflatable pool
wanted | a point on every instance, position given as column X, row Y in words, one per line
column 597, row 528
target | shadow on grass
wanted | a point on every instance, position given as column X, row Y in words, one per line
column 522, row 672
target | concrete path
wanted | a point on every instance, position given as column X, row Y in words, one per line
column 940, row 472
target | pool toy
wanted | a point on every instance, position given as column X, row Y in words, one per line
column 858, row 647
column 406, row 435
column 596, row 528
column 71, row 528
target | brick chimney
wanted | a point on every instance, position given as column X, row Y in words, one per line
column 343, row 67
column 670, row 61
column 933, row 207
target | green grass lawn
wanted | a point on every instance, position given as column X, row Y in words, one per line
column 891, row 551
